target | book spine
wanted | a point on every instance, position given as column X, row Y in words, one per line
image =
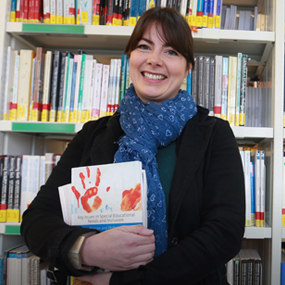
column 59, row 12
column 123, row 76
column 252, row 192
column 210, row 21
column 224, row 100
column 217, row 16
column 195, row 80
column 243, row 90
column 117, row 87
column 66, row 107
column 72, row 95
column 9, row 70
column 38, row 13
column 257, row 187
column 200, row 92
column 212, row 87
column 247, row 169
column 61, row 87
column 11, row 188
column 13, row 11
column 65, row 12
column 26, row 11
column 232, row 90
column 283, row 196
column 86, row 12
column 46, row 11
column 55, row 86
column 262, row 187
column 46, row 88
column 32, row 11
column 97, row 91
column 96, row 12
column 104, row 91
column 25, row 74
column 4, row 188
column 183, row 8
column 206, row 82
column 111, row 84
column 32, row 89
column 205, row 14
column 13, row 101
column 17, row 192
column 238, row 88
column 71, row 12
column 18, row 10
column 134, row 12
column 81, row 87
column 199, row 19
column 53, row 12
column 115, row 13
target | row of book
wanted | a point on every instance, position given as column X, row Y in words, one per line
column 253, row 161
column 20, row 266
column 20, row 179
column 219, row 84
column 234, row 19
column 200, row 13
column 245, row 268
column 61, row 87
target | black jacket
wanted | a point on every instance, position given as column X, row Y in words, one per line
column 206, row 204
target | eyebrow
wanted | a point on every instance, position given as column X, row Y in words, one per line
column 151, row 42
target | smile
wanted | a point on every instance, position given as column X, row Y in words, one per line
column 153, row 76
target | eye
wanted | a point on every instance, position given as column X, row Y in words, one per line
column 142, row 46
column 172, row 52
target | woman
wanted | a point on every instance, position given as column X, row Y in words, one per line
column 194, row 173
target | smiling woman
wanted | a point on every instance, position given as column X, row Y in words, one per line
column 195, row 192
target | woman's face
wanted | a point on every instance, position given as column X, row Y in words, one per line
column 156, row 69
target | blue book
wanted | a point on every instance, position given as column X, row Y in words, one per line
column 205, row 14
column 142, row 7
column 134, row 12
column 282, row 268
column 13, row 10
column 200, row 8
column 73, row 84
column 252, row 192
column 123, row 76
column 189, row 82
column 210, row 13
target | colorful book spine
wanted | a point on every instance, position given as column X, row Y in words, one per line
column 217, row 15
column 18, row 11
column 32, row 90
column 210, row 22
column 123, row 76
column 96, row 12
column 32, row 18
column 71, row 12
column 59, row 11
column 38, row 9
column 194, row 13
column 115, row 103
column 252, row 187
column 262, row 187
column 11, row 187
column 199, row 19
column 205, row 13
column 81, row 87
column 134, row 11
column 256, row 159
column 26, row 11
column 86, row 12
column 72, row 95
column 212, row 87
column 4, row 188
column 224, row 101
column 46, row 11
column 13, row 11
column 109, row 19
column 61, row 87
column 65, row 12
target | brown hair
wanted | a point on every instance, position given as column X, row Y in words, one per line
column 176, row 31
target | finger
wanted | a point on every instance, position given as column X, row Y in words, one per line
column 137, row 229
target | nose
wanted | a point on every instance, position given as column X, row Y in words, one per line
column 154, row 58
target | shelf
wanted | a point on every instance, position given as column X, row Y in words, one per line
column 113, row 39
column 252, row 133
column 40, row 127
column 257, row 232
column 10, row 228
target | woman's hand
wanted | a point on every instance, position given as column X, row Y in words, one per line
column 97, row 278
column 119, row 249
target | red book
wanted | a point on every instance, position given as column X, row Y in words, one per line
column 26, row 11
column 38, row 11
column 31, row 11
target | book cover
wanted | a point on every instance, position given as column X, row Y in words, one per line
column 53, row 12
column 61, row 87
column 243, row 90
column 205, row 13
column 46, row 11
column 262, row 187
column 104, row 90
column 200, row 85
column 4, row 188
column 85, row 12
column 13, row 11
column 206, row 81
column 195, row 80
column 105, row 196
column 212, row 87
column 199, row 18
column 96, row 12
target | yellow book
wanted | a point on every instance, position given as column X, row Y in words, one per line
column 232, row 90
column 95, row 20
column 25, row 78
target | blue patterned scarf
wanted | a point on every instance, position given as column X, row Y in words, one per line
column 149, row 126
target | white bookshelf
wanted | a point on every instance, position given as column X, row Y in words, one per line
column 266, row 51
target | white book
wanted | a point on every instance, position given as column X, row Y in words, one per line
column 53, row 11
column 13, row 101
column 66, row 11
column 247, row 169
column 224, row 101
column 86, row 88
column 218, row 85
column 104, row 90
column 85, row 7
column 46, row 11
column 59, row 11
column 32, row 89
column 231, row 108
column 97, row 82
column 111, row 84
column 238, row 88
column 256, row 159
column 42, row 171
column 77, row 84
column 105, row 196
column 117, row 86
column 10, row 65
column 262, row 187
column 91, row 90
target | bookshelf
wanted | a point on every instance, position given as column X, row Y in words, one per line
column 266, row 50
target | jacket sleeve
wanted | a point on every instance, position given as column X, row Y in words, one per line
column 43, row 228
column 200, row 256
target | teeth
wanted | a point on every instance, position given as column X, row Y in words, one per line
column 153, row 76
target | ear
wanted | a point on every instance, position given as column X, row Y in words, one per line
column 189, row 67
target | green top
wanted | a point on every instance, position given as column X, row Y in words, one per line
column 166, row 160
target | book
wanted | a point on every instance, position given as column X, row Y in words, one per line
column 200, row 85
column 4, row 188
column 262, row 187
column 256, row 158
column 195, row 80
column 85, row 12
column 224, row 99
column 232, row 75
column 199, row 18
column 212, row 87
column 104, row 90
column 238, row 88
column 283, row 193
column 97, row 79
column 206, row 81
column 243, row 90
column 105, row 196
column 38, row 84
column 61, row 87
column 247, row 178
column 13, row 11
column 59, row 11
column 53, row 11
column 32, row 90
column 25, row 76
column 46, row 11
column 46, row 87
